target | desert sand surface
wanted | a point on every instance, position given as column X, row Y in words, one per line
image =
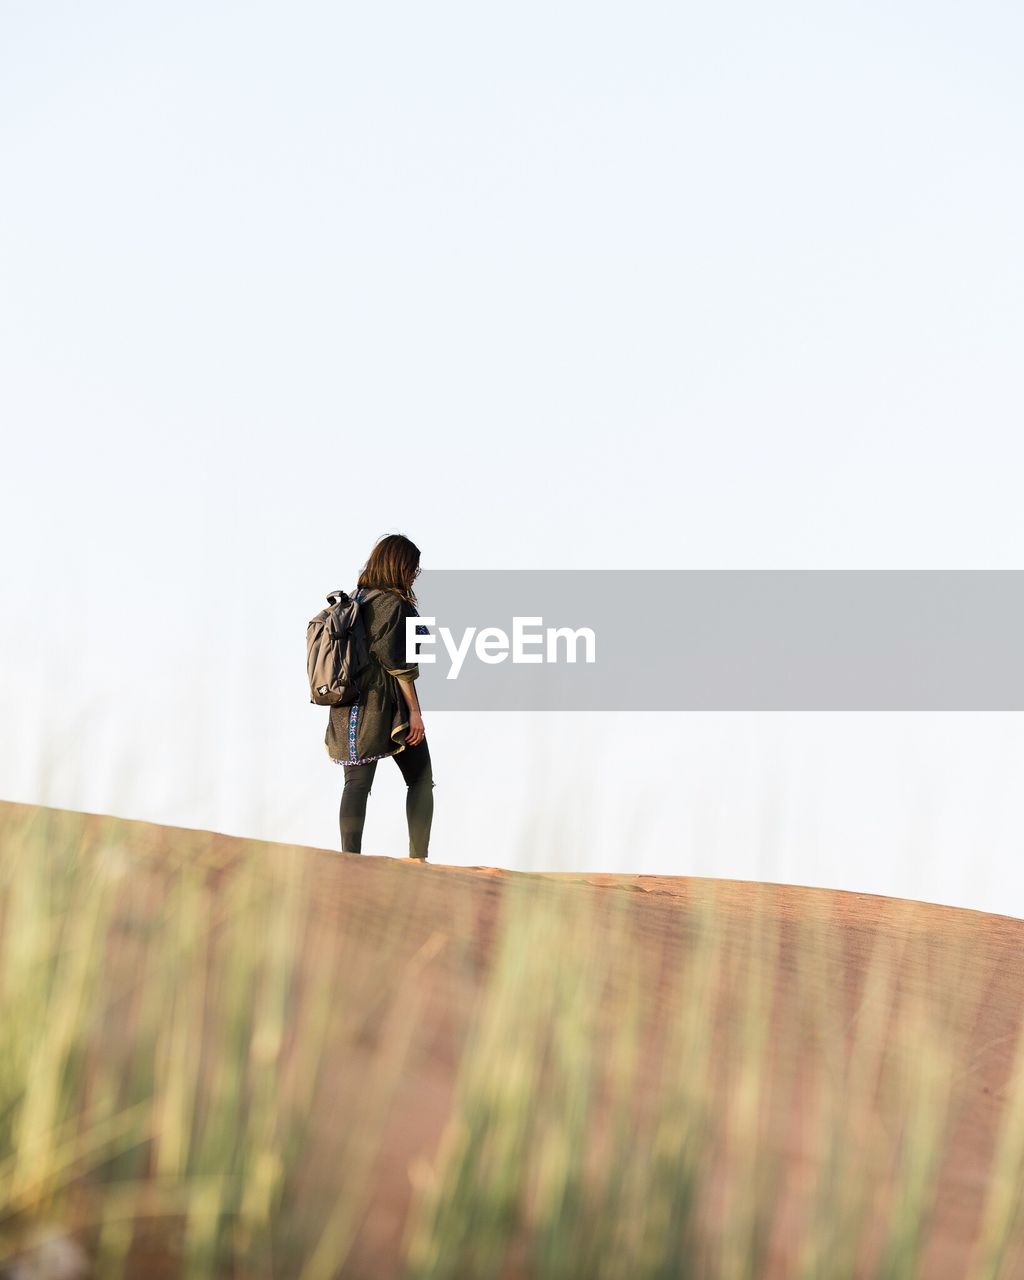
column 449, row 905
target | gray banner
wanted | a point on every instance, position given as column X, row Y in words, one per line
column 740, row 640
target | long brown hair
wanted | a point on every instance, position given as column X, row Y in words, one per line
column 393, row 565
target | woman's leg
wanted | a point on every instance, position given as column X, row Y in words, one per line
column 414, row 763
column 358, row 780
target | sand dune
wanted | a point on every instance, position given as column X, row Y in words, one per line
column 351, row 893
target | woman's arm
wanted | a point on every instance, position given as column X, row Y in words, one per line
column 390, row 651
column 388, row 644
column 415, row 736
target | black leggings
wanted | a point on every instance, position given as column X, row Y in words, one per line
column 414, row 763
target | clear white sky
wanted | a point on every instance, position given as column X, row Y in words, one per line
column 572, row 285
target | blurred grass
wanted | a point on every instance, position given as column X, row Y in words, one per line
column 184, row 1083
column 164, row 1027
column 760, row 1123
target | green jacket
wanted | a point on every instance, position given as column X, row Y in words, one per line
column 378, row 723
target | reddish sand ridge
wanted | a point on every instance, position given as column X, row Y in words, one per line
column 350, row 892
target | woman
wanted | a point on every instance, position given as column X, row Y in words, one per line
column 386, row 720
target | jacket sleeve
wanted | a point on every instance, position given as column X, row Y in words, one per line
column 388, row 647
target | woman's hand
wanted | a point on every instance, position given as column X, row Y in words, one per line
column 416, row 730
